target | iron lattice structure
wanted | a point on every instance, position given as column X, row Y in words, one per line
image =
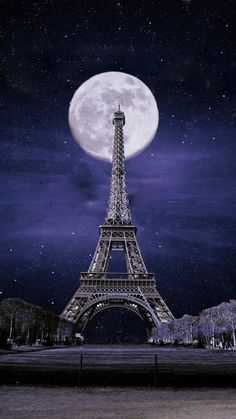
column 134, row 289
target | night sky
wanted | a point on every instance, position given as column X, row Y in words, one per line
column 182, row 188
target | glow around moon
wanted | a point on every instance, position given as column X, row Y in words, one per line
column 91, row 112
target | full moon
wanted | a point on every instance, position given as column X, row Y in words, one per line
column 91, row 112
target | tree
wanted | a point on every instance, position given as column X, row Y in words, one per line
column 27, row 320
column 209, row 320
column 228, row 318
column 11, row 310
column 183, row 328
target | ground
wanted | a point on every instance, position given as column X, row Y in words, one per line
column 119, row 365
column 109, row 403
column 77, row 397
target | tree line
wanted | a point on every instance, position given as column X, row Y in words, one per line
column 214, row 327
column 24, row 323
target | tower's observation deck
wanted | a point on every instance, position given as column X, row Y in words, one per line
column 136, row 288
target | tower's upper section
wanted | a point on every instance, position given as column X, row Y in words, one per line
column 118, row 204
column 119, row 118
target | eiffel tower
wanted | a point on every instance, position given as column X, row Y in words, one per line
column 135, row 289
